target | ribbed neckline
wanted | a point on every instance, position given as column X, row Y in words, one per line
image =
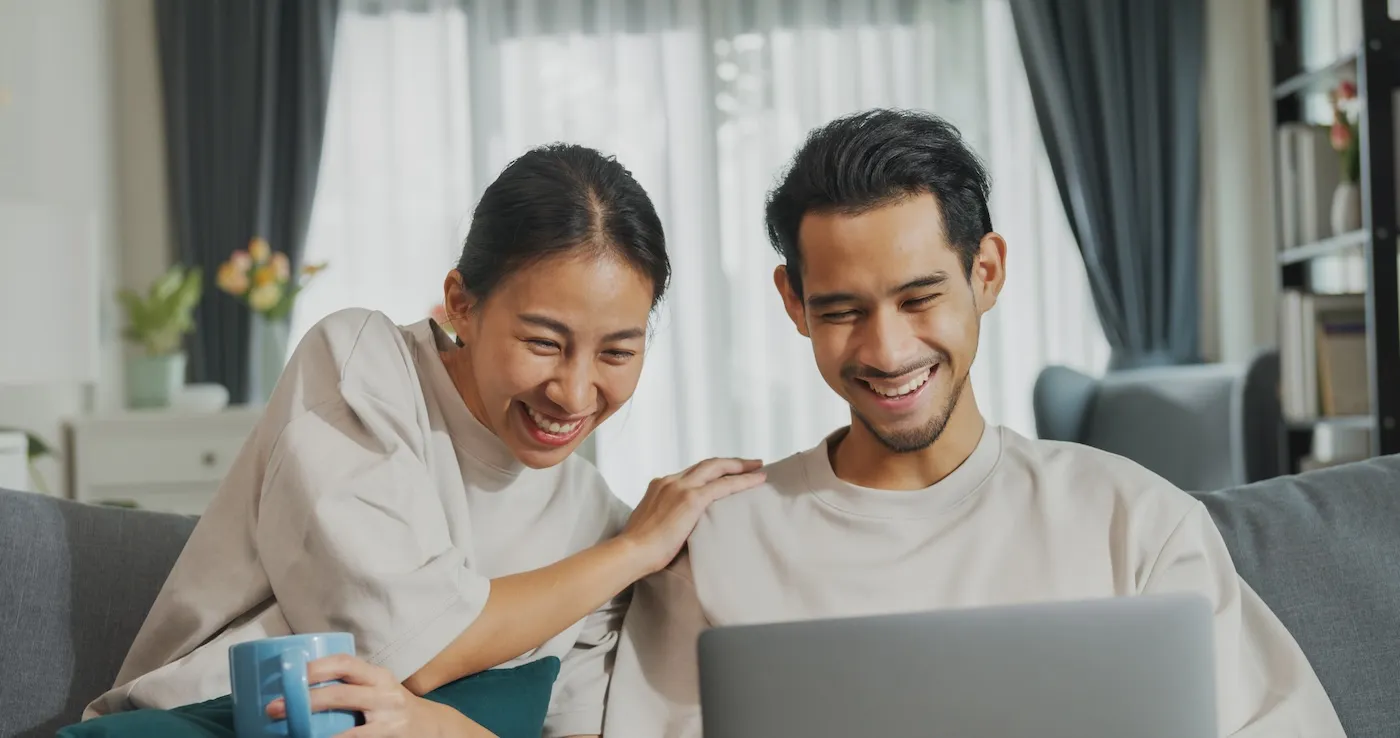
column 902, row 504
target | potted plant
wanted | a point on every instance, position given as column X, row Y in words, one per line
column 262, row 279
column 1346, row 141
column 158, row 323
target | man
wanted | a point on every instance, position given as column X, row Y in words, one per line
column 891, row 262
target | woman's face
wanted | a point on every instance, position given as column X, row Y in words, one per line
column 554, row 350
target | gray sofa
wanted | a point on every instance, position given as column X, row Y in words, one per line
column 1323, row 549
column 1200, row 426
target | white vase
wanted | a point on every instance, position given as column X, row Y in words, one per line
column 267, row 357
column 1346, row 208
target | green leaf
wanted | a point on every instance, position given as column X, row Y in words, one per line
column 160, row 321
column 37, row 447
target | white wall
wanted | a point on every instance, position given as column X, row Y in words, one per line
column 142, row 200
column 1238, row 278
column 80, row 131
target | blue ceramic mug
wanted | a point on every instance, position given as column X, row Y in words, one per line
column 263, row 670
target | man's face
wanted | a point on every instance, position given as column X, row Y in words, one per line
column 891, row 314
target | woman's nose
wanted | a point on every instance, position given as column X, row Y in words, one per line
column 573, row 391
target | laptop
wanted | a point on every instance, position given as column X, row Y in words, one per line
column 1133, row 667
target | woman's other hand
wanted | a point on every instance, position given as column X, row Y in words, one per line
column 673, row 504
column 390, row 710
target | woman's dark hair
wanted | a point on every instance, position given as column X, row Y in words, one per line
column 871, row 159
column 556, row 199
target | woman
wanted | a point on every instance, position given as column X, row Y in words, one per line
column 423, row 494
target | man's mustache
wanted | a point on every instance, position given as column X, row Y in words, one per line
column 864, row 371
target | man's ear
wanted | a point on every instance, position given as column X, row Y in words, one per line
column 792, row 302
column 989, row 271
column 458, row 302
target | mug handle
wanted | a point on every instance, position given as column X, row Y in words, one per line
column 297, row 692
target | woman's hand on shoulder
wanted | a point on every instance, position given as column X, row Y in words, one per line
column 673, row 505
column 389, row 709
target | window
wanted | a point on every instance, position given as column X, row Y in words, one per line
column 704, row 102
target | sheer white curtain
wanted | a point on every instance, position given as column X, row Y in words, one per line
column 703, row 100
column 395, row 195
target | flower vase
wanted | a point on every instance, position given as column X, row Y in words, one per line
column 1346, row 208
column 268, row 350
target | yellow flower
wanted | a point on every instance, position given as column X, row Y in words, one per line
column 259, row 250
column 231, row 279
column 265, row 297
column 281, row 266
column 263, row 276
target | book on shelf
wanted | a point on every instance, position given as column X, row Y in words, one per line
column 1309, row 172
column 1322, row 362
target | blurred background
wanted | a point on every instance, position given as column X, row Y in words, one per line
column 1198, row 196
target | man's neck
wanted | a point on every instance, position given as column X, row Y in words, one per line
column 861, row 459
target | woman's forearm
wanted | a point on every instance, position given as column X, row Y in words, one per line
column 525, row 610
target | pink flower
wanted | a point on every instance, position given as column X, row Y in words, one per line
column 232, row 279
column 1346, row 90
column 1341, row 136
column 241, row 260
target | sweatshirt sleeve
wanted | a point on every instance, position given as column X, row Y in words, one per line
column 656, row 681
column 353, row 535
column 1266, row 687
column 576, row 707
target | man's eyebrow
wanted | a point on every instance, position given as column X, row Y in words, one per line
column 828, row 299
column 932, row 280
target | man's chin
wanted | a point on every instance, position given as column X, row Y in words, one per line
column 905, row 438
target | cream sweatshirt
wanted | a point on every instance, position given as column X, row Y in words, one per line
column 1019, row 521
column 370, row 500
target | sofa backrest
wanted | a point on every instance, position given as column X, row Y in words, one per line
column 76, row 582
column 1323, row 550
column 1200, row 426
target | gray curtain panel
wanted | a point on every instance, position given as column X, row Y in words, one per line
column 246, row 85
column 1116, row 86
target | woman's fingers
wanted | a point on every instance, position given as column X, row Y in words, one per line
column 346, row 668
column 352, row 698
column 726, row 486
column 711, row 469
column 361, row 683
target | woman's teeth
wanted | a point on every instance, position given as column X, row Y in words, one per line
column 904, row 389
column 545, row 424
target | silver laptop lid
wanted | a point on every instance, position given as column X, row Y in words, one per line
column 1137, row 667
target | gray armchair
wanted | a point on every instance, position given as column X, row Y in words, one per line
column 1202, row 427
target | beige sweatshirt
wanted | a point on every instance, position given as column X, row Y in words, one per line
column 370, row 500
column 1019, row 521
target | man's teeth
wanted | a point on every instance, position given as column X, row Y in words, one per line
column 905, row 388
column 546, row 424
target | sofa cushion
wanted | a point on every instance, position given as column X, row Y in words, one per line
column 1323, row 550
column 77, row 581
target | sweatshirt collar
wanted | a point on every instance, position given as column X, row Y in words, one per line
column 902, row 504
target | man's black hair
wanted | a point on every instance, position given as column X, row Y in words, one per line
column 868, row 160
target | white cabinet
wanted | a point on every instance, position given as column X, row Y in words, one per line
column 14, row 461
column 158, row 460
